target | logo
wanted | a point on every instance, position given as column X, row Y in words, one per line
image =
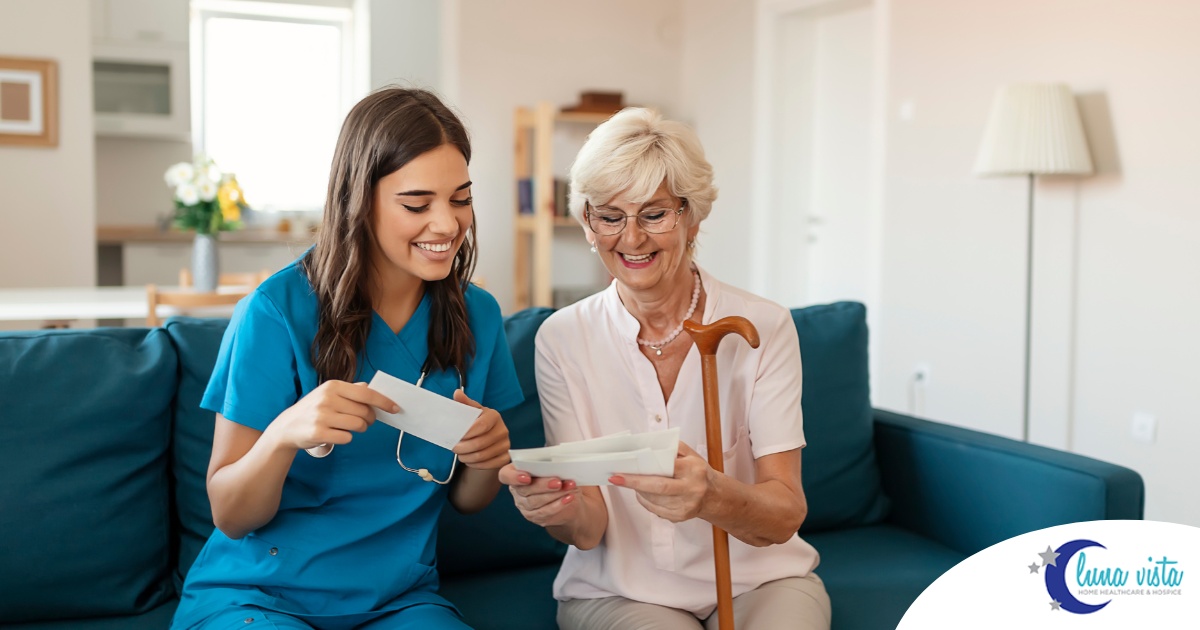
column 1070, row 576
column 1101, row 575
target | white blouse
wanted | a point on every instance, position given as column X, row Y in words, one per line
column 593, row 381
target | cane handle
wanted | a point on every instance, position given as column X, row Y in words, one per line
column 709, row 336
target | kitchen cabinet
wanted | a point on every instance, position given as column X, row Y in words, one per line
column 148, row 22
column 140, row 73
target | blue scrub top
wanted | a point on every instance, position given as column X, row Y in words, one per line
column 355, row 533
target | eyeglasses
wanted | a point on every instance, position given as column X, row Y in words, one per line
column 652, row 220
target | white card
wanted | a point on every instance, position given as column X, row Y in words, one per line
column 431, row 417
column 592, row 462
column 583, row 473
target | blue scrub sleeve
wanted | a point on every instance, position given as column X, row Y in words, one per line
column 503, row 390
column 255, row 378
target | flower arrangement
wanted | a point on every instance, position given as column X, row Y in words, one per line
column 206, row 200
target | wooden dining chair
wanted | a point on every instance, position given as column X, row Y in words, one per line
column 233, row 279
column 185, row 299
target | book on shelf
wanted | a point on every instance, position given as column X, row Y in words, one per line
column 525, row 195
column 561, row 189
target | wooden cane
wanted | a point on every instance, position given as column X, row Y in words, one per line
column 707, row 339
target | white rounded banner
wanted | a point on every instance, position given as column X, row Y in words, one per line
column 1099, row 574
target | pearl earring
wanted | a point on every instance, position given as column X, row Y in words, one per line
column 593, row 248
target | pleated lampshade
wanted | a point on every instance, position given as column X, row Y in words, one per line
column 1034, row 128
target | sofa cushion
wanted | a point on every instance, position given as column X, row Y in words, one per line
column 873, row 574
column 515, row 599
column 197, row 342
column 468, row 543
column 155, row 619
column 85, row 521
column 840, row 475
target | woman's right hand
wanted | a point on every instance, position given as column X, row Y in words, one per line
column 544, row 501
column 329, row 414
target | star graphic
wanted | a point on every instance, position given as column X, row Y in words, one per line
column 1033, row 568
column 1055, row 605
column 1049, row 558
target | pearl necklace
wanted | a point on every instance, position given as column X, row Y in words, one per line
column 657, row 346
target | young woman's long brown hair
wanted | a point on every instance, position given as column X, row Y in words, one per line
column 382, row 133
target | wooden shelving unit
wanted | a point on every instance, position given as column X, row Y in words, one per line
column 533, row 146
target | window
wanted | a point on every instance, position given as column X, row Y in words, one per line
column 271, row 83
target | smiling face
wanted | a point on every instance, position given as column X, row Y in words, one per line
column 421, row 215
column 642, row 261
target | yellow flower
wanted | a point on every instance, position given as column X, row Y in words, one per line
column 231, row 200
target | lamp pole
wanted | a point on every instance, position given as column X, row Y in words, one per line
column 1028, row 313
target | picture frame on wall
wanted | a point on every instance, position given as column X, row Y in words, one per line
column 28, row 102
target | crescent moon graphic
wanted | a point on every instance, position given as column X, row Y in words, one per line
column 1056, row 583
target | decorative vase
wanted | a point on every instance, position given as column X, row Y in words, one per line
column 205, row 268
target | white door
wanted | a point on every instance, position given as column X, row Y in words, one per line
column 822, row 244
column 839, row 210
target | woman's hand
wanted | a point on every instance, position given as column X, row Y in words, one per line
column 544, row 501
column 485, row 446
column 675, row 499
column 329, row 414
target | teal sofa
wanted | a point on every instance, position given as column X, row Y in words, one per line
column 103, row 506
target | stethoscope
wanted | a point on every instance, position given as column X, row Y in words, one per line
column 323, row 450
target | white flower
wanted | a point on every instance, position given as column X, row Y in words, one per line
column 210, row 173
column 207, row 190
column 187, row 194
column 204, row 169
column 179, row 173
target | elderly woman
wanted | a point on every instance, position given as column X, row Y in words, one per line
column 641, row 550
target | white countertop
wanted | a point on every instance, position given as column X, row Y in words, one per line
column 71, row 303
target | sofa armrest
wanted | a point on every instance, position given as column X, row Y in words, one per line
column 969, row 490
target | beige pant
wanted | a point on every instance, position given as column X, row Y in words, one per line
column 792, row 603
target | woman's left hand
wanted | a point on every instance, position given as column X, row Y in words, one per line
column 485, row 446
column 675, row 499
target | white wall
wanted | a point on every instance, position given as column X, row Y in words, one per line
column 47, row 204
column 717, row 99
column 405, row 43
column 515, row 53
column 1117, row 255
column 129, row 179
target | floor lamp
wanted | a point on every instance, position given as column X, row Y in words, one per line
column 1034, row 129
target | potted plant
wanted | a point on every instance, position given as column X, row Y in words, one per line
column 206, row 201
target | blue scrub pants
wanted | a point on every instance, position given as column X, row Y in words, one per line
column 416, row 617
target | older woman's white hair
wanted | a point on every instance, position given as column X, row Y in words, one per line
column 633, row 153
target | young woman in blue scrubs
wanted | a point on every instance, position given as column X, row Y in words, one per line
column 322, row 518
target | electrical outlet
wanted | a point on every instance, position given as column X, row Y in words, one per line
column 918, row 387
column 1142, row 427
column 921, row 373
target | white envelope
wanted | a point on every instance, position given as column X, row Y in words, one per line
column 431, row 417
column 592, row 462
